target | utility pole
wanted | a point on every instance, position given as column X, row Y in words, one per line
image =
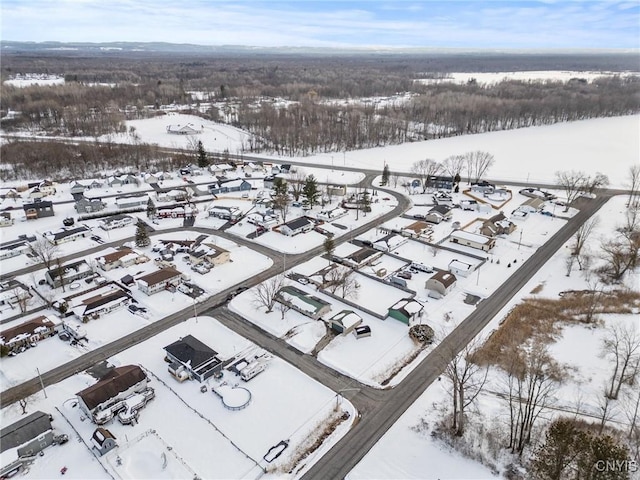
column 41, row 383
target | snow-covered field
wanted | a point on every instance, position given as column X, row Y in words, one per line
column 534, row 154
column 197, row 435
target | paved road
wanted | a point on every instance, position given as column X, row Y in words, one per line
column 22, row 390
column 346, row 454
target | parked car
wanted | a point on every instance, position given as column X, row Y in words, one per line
column 404, row 274
column 67, row 222
column 303, row 280
column 97, row 238
column 419, row 216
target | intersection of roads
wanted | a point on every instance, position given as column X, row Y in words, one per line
column 378, row 409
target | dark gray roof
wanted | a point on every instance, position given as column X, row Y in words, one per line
column 116, row 381
column 191, row 350
column 298, row 223
column 69, row 232
column 23, row 430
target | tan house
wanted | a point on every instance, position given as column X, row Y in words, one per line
column 120, row 258
column 497, row 225
column 28, row 332
column 159, row 280
column 418, row 229
column 208, row 252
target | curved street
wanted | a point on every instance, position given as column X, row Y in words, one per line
column 379, row 409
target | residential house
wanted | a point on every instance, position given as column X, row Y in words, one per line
column 29, row 332
column 173, row 195
column 220, row 168
column 418, row 229
column 442, row 198
column 89, row 205
column 28, row 436
column 265, row 219
column 331, row 215
column 363, row 256
column 132, row 201
column 114, row 181
column 77, row 189
column 441, row 282
column 229, row 186
column 406, row 310
column 344, row 322
column 102, row 400
column 472, row 240
column 12, row 194
column 532, row 205
column 308, row 305
column 208, row 252
column 182, row 211
column 123, row 257
column 225, row 213
column 438, row 214
column 497, row 225
column 296, row 226
column 461, row 269
column 116, row 221
column 188, row 129
column 389, row 242
column 99, row 302
column 17, row 247
column 103, row 441
column 469, row 205
column 41, row 209
column 5, row 219
column 189, row 358
column 67, row 273
column 159, row 280
column 98, row 183
column 65, row 235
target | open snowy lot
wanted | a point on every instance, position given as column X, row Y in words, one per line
column 187, row 431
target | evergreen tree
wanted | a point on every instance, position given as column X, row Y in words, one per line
column 385, row 175
column 142, row 237
column 329, row 247
column 281, row 198
column 151, row 208
column 310, row 190
column 366, row 201
column 201, row 155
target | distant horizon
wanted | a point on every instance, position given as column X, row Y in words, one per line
column 547, row 25
column 354, row 48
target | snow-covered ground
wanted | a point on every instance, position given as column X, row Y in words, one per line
column 408, row 450
column 188, row 431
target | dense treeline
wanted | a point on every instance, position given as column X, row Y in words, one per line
column 60, row 161
column 100, row 93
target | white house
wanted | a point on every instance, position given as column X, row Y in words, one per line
column 472, row 240
column 116, row 221
column 442, row 282
column 462, row 269
column 65, row 235
column 296, row 226
column 188, row 129
column 159, row 280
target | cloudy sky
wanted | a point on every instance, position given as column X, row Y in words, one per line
column 383, row 23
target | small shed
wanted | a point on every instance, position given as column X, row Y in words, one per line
column 103, row 440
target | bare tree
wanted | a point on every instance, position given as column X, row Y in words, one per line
column 634, row 186
column 24, row 403
column 296, row 182
column 341, row 279
column 467, row 379
column 573, row 183
column 45, row 251
column 265, row 292
column 478, row 163
column 630, row 405
column 581, row 236
column 424, row 170
column 620, row 255
column 622, row 346
column 454, row 166
column 532, row 379
column 393, row 180
column 600, row 180
column 606, row 409
column 283, row 308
